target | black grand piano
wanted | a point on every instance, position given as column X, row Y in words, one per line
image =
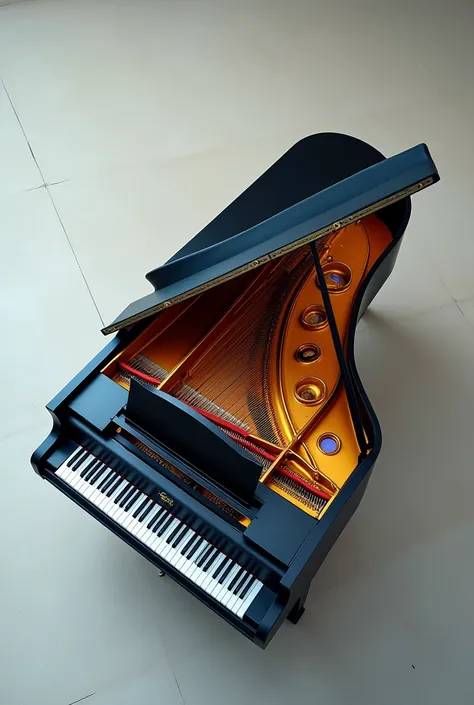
column 224, row 432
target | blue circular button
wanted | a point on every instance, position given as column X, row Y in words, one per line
column 329, row 444
column 336, row 278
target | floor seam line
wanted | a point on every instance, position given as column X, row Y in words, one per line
column 81, row 699
column 74, row 255
column 22, row 128
column 45, row 185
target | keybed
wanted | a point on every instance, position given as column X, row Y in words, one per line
column 167, row 536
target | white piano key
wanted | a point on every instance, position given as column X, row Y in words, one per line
column 107, row 499
column 118, row 510
column 203, row 577
column 67, row 470
column 103, row 474
column 75, row 479
column 110, row 507
column 158, row 544
column 93, row 490
column 194, row 571
column 77, row 452
column 181, row 559
column 131, row 519
column 233, row 603
column 220, row 586
column 223, row 594
column 206, row 585
column 163, row 547
column 157, row 516
column 217, row 586
column 177, row 558
column 152, row 515
column 249, row 598
column 157, row 527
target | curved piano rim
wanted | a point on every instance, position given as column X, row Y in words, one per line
column 326, row 531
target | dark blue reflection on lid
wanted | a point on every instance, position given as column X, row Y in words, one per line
column 328, row 444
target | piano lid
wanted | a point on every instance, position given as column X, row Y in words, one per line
column 367, row 191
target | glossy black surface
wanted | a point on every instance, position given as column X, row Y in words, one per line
column 195, row 438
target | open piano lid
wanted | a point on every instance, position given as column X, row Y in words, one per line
column 330, row 208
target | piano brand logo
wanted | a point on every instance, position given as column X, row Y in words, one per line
column 167, row 500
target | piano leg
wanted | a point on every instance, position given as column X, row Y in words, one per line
column 297, row 610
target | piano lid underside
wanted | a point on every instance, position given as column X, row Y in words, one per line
column 257, row 357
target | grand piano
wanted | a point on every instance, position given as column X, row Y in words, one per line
column 224, row 432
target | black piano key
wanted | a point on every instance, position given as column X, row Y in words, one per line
column 100, row 472
column 134, row 502
column 221, row 567
column 141, row 507
column 90, row 468
column 159, row 514
column 195, row 547
column 89, row 475
column 247, row 588
column 186, row 548
column 104, row 483
column 122, row 494
column 205, row 555
column 241, row 583
column 180, row 536
column 112, row 485
column 177, row 530
column 200, row 551
column 80, row 460
column 136, row 495
column 235, row 579
column 80, row 451
column 165, row 525
column 127, row 496
column 210, row 560
column 226, row 572
column 89, row 465
column 161, row 517
column 146, row 511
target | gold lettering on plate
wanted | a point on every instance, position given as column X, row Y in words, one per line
column 274, row 255
column 167, row 500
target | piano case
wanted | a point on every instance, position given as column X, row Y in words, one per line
column 224, row 432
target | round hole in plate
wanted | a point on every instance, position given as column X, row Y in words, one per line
column 314, row 317
column 308, row 353
column 329, row 443
column 310, row 390
column 337, row 275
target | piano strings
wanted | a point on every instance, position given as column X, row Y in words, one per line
column 238, row 434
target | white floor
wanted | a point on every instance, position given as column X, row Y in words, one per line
column 125, row 126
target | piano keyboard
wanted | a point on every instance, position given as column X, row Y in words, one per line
column 155, row 527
